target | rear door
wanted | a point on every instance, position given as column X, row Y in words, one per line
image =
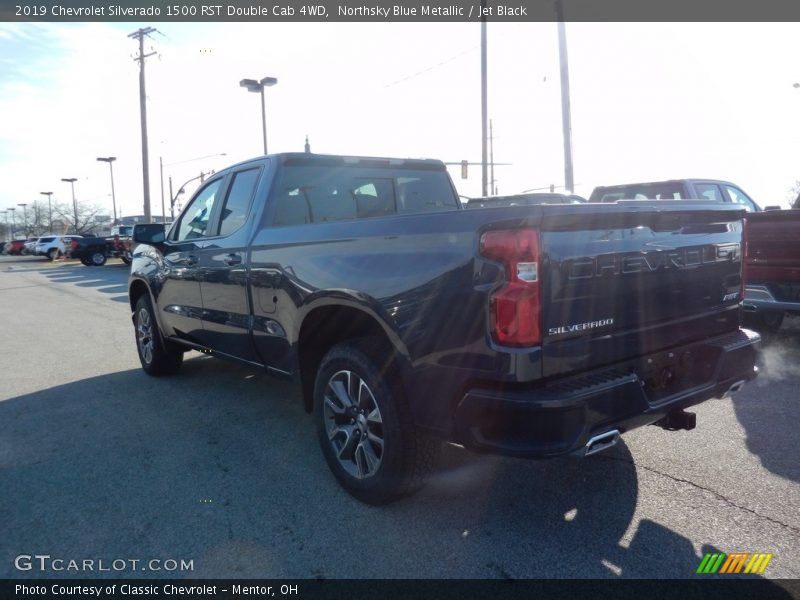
column 631, row 281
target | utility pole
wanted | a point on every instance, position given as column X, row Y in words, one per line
column 140, row 35
column 484, row 109
column 566, row 118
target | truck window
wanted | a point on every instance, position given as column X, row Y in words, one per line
column 708, row 191
column 237, row 204
column 314, row 195
column 194, row 222
column 737, row 196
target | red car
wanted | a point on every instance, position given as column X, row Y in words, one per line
column 15, row 247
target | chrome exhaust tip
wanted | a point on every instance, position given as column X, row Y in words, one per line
column 601, row 442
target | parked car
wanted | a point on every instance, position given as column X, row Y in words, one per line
column 52, row 246
column 531, row 331
column 30, row 246
column 15, row 247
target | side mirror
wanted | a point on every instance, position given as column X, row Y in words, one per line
column 149, row 233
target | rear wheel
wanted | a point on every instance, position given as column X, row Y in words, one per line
column 364, row 425
column 157, row 355
column 86, row 262
column 97, row 259
column 53, row 253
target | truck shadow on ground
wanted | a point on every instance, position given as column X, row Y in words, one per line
column 769, row 421
column 111, row 278
column 220, row 465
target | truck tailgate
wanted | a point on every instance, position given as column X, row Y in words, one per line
column 634, row 281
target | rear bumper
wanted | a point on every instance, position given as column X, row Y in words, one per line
column 563, row 415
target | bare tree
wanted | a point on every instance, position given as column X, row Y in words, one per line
column 90, row 217
column 794, row 194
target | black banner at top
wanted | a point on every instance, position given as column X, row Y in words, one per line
column 397, row 10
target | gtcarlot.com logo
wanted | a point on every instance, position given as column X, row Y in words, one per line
column 45, row 562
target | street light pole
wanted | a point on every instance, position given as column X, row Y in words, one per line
column 110, row 160
column 71, row 181
column 5, row 216
column 24, row 219
column 258, row 86
column 49, row 210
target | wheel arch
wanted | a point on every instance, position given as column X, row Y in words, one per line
column 326, row 326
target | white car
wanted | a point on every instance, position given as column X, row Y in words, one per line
column 52, row 246
column 30, row 246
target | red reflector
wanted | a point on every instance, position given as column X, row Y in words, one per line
column 516, row 307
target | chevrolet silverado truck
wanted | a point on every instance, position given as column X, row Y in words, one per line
column 529, row 331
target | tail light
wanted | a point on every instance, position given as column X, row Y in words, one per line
column 73, row 244
column 516, row 307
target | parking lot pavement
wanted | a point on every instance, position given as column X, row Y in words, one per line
column 219, row 465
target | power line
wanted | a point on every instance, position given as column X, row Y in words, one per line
column 140, row 35
column 431, row 68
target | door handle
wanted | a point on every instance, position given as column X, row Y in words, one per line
column 232, row 259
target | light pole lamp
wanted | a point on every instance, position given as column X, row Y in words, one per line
column 49, row 210
column 71, row 181
column 253, row 85
column 110, row 160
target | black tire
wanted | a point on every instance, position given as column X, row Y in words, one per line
column 97, row 259
column 126, row 258
column 766, row 322
column 53, row 254
column 85, row 262
column 374, row 473
column 157, row 355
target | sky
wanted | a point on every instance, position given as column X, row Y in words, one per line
column 649, row 101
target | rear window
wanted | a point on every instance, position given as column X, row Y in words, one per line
column 305, row 194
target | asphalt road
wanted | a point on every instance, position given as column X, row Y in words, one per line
column 219, row 465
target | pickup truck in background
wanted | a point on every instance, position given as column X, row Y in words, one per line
column 530, row 331
column 95, row 251
column 773, row 269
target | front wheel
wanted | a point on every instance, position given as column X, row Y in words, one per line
column 157, row 355
column 364, row 425
column 126, row 258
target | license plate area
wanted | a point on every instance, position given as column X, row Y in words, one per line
column 668, row 373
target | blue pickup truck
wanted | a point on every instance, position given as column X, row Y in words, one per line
column 530, row 331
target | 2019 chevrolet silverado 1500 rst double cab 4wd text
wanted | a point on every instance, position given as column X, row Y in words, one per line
column 529, row 331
